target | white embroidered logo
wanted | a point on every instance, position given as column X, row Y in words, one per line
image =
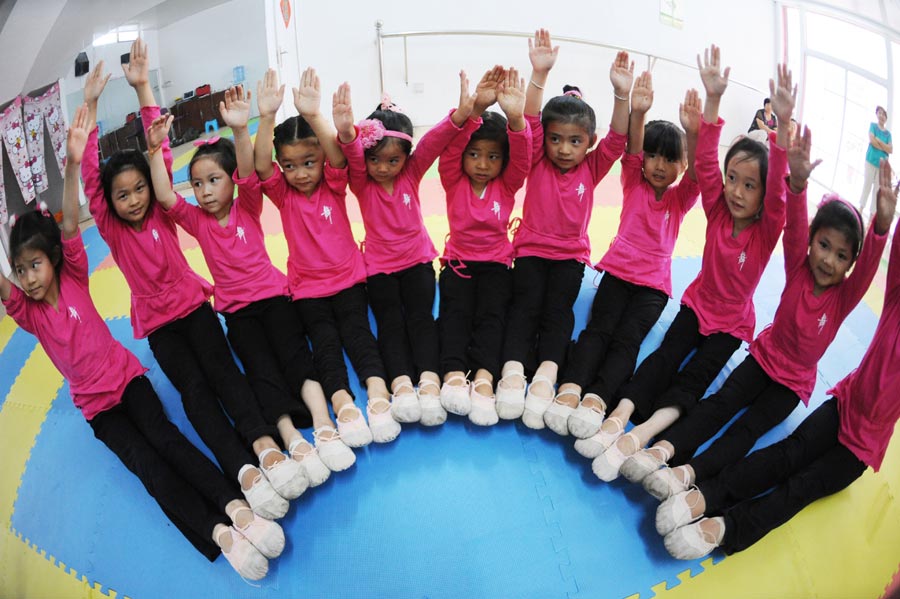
column 407, row 200
column 666, row 218
column 73, row 313
column 155, row 235
column 741, row 259
column 326, row 214
column 496, row 209
column 822, row 321
column 580, row 191
column 240, row 234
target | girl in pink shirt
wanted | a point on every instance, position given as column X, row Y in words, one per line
column 745, row 217
column 781, row 368
column 551, row 244
column 828, row 451
column 384, row 176
column 170, row 307
column 637, row 279
column 116, row 399
column 263, row 326
column 326, row 273
column 481, row 170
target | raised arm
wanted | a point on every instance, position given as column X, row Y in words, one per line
column 76, row 140
column 796, row 228
column 715, row 81
column 511, row 97
column 93, row 87
column 689, row 112
column 486, row 90
column 307, row 101
column 137, row 73
column 450, row 164
column 784, row 97
column 235, row 111
column 90, row 166
column 466, row 105
column 542, row 55
column 268, row 99
column 621, row 75
column 887, row 199
column 162, row 186
column 641, row 101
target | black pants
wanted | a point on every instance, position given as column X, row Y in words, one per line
column 807, row 465
column 607, row 349
column 269, row 339
column 187, row 486
column 658, row 383
column 540, row 319
column 335, row 323
column 769, row 403
column 194, row 354
column 472, row 315
column 403, row 305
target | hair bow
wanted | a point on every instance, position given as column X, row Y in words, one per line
column 206, row 142
column 574, row 92
column 388, row 104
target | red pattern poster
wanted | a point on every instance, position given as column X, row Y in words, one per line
column 286, row 12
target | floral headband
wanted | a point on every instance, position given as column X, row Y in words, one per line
column 371, row 131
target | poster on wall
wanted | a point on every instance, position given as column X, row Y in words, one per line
column 286, row 12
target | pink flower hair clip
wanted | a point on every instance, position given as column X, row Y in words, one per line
column 371, row 131
column 206, row 142
column 388, row 104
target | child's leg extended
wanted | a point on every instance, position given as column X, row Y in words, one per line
column 386, row 299
column 417, row 290
column 177, row 475
column 494, row 290
column 319, row 320
column 455, row 322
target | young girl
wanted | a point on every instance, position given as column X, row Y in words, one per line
column 169, row 306
column 551, row 244
column 637, row 280
column 481, row 170
column 117, row 400
column 263, row 326
column 781, row 368
column 745, row 217
column 326, row 273
column 384, row 176
column 826, row 453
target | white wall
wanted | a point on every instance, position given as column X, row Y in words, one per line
column 205, row 47
column 340, row 42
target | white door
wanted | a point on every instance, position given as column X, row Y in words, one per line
column 286, row 59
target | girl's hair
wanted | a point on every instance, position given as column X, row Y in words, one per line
column 665, row 139
column 36, row 231
column 751, row 150
column 292, row 131
column 120, row 162
column 570, row 108
column 766, row 101
column 493, row 128
column 880, row 109
column 220, row 151
column 392, row 121
column 839, row 214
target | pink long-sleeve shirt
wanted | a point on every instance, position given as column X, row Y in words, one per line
column 236, row 253
column 323, row 257
column 163, row 286
column 722, row 294
column 396, row 238
column 75, row 337
column 641, row 251
column 478, row 225
column 558, row 205
column 869, row 397
column 805, row 325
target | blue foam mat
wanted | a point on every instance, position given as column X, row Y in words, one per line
column 450, row 512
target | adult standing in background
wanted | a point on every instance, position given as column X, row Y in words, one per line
column 879, row 147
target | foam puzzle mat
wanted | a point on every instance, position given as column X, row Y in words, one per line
column 455, row 511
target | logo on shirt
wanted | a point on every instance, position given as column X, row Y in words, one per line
column 326, row 214
column 240, row 234
column 155, row 235
column 496, row 209
column 823, row 320
column 741, row 259
column 581, row 189
column 73, row 313
column 666, row 217
column 407, row 200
